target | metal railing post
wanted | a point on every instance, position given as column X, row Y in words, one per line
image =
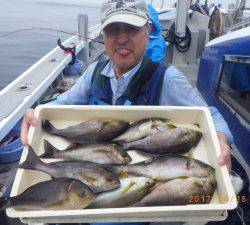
column 162, row 3
column 83, row 32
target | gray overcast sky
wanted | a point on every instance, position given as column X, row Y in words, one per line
column 156, row 3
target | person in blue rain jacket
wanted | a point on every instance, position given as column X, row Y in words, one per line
column 156, row 48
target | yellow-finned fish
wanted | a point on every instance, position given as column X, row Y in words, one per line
column 132, row 190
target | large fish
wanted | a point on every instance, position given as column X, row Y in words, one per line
column 58, row 194
column 172, row 141
column 166, row 167
column 97, row 178
column 186, row 191
column 103, row 153
column 132, row 189
column 142, row 128
column 89, row 131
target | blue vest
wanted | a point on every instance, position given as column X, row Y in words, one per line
column 143, row 89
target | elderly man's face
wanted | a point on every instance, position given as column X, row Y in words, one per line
column 125, row 45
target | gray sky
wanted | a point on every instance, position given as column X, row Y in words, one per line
column 156, row 3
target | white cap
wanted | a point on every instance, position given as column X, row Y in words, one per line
column 132, row 12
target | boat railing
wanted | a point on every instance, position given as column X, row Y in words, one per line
column 24, row 91
column 240, row 25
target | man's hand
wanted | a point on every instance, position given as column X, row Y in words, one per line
column 29, row 119
column 225, row 157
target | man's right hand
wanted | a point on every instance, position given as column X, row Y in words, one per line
column 29, row 119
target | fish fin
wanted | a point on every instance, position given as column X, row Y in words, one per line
column 188, row 164
column 135, row 123
column 4, row 203
column 148, row 161
column 49, row 149
column 72, row 145
column 128, row 187
column 86, row 177
column 123, row 174
column 103, row 126
column 32, row 161
column 153, row 124
column 48, row 127
column 189, row 155
column 171, row 125
column 54, row 204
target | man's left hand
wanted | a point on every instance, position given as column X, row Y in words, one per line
column 225, row 157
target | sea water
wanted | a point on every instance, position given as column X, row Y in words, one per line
column 20, row 50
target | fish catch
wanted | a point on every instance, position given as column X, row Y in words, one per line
column 91, row 174
column 144, row 127
column 181, row 192
column 166, row 167
column 103, row 153
column 61, row 193
column 132, row 190
column 172, row 141
column 89, row 131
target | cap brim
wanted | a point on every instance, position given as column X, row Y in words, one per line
column 125, row 18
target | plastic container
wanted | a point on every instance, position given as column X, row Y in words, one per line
column 12, row 151
column 75, row 69
column 207, row 150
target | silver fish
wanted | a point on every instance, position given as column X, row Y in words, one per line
column 173, row 141
column 62, row 193
column 142, row 128
column 186, row 191
column 103, row 153
column 93, row 175
column 132, row 189
column 89, row 131
column 166, row 167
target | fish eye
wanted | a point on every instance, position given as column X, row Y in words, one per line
column 148, row 184
column 82, row 193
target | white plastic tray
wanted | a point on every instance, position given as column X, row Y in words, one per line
column 207, row 151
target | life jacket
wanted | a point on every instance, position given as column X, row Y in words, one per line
column 143, row 89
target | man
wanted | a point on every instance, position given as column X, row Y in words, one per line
column 130, row 79
column 156, row 48
column 122, row 79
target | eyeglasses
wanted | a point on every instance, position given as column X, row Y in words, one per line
column 116, row 28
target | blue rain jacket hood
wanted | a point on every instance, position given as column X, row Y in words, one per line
column 154, row 17
column 156, row 47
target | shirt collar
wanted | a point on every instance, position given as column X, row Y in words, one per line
column 109, row 70
column 153, row 36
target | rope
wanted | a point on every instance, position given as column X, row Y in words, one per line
column 182, row 44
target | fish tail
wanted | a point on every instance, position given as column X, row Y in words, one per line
column 4, row 203
column 49, row 150
column 32, row 161
column 48, row 127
